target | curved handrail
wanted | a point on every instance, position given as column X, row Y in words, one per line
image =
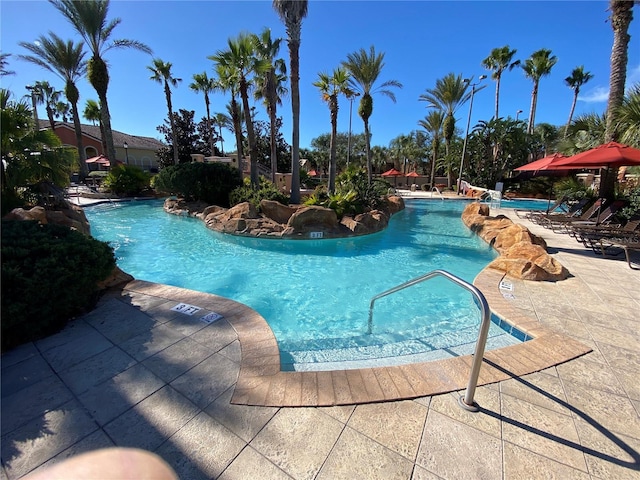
column 438, row 191
column 465, row 402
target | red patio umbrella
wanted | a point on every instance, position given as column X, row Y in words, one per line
column 546, row 163
column 392, row 173
column 610, row 154
column 101, row 159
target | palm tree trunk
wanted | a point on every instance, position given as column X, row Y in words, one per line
column 106, row 126
column 52, row 122
column 497, row 96
column 82, row 156
column 294, row 47
column 172, row 122
column 237, row 127
column 209, row 127
column 367, row 150
column 621, row 15
column 573, row 108
column 532, row 110
column 332, row 146
column 253, row 152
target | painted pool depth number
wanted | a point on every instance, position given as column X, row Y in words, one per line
column 186, row 308
column 316, row 234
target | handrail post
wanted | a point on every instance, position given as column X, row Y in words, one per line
column 465, row 402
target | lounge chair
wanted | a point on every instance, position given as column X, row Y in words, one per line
column 572, row 211
column 600, row 218
column 625, row 244
column 554, row 222
column 590, row 236
column 559, row 206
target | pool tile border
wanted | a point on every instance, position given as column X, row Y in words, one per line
column 262, row 383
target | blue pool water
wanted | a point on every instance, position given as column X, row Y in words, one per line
column 315, row 294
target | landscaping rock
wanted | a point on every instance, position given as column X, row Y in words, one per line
column 276, row 211
column 313, row 218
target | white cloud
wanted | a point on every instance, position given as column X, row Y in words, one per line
column 595, row 95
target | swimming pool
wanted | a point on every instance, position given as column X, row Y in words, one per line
column 315, row 294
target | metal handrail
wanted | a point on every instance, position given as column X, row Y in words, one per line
column 438, row 191
column 465, row 402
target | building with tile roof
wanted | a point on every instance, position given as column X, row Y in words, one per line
column 139, row 151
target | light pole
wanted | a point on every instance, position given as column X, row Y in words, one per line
column 518, row 113
column 464, row 145
column 351, row 97
column 126, row 153
column 33, row 89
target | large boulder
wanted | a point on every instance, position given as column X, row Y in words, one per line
column 530, row 262
column 312, row 218
column 276, row 211
column 38, row 214
column 394, row 204
column 67, row 214
column 513, row 234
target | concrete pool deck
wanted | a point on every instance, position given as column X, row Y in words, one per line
column 135, row 373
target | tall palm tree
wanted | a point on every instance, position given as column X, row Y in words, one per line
column 448, row 95
column 575, row 81
column 202, row 83
column 240, row 58
column 498, row 61
column 48, row 96
column 330, row 87
column 621, row 16
column 365, row 68
column 292, row 12
column 538, row 65
column 66, row 60
column 90, row 21
column 270, row 86
column 92, row 113
column 161, row 73
column 222, row 120
column 433, row 124
column 62, row 110
column 227, row 81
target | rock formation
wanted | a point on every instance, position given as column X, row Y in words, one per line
column 274, row 220
column 522, row 254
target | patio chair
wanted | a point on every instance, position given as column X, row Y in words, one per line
column 603, row 217
column 571, row 211
column 559, row 206
column 626, row 245
column 590, row 236
column 555, row 221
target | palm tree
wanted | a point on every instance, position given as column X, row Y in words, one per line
column 222, row 120
column 498, row 61
column 3, row 65
column 202, row 83
column 92, row 113
column 449, row 94
column 161, row 73
column 330, row 87
column 240, row 58
column 433, row 124
column 62, row 110
column 270, row 86
column 227, row 81
column 575, row 81
column 629, row 117
column 538, row 65
column 365, row 68
column 292, row 12
column 90, row 21
column 46, row 95
column 66, row 60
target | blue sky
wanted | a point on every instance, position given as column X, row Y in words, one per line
column 422, row 41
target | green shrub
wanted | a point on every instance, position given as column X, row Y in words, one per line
column 127, row 180
column 49, row 274
column 267, row 190
column 207, row 182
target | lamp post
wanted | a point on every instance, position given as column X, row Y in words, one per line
column 518, row 113
column 351, row 97
column 126, row 153
column 32, row 90
column 464, row 145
